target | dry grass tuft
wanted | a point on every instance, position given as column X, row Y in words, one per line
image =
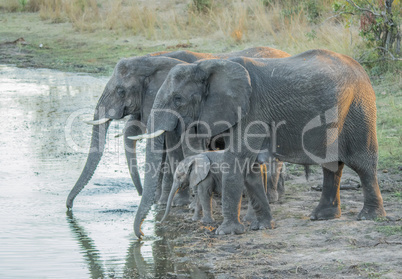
column 293, row 26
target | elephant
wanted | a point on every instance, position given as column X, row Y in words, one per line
column 130, row 92
column 316, row 108
column 203, row 174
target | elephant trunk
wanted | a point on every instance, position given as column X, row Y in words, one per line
column 95, row 154
column 133, row 128
column 133, row 165
column 173, row 192
column 154, row 153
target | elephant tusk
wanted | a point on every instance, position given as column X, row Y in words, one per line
column 148, row 136
column 97, row 122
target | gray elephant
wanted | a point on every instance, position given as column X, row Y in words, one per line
column 317, row 107
column 131, row 91
column 203, row 173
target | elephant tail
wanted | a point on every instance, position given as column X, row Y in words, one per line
column 307, row 171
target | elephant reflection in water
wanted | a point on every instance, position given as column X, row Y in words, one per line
column 135, row 265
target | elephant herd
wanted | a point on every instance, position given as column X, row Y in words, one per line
column 215, row 122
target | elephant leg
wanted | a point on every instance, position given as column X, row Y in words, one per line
column 329, row 206
column 232, row 189
column 272, row 183
column 250, row 215
column 259, row 201
column 373, row 204
column 281, row 185
column 280, row 182
column 205, row 197
column 197, row 209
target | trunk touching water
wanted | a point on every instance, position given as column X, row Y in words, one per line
column 173, row 192
column 150, row 181
column 95, row 154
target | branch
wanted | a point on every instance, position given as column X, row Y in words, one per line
column 371, row 5
column 362, row 9
column 390, row 54
column 363, row 56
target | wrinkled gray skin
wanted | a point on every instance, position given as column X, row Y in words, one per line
column 131, row 91
column 203, row 174
column 328, row 107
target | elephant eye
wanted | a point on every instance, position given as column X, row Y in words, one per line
column 177, row 100
column 121, row 92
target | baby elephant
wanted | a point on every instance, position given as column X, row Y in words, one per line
column 203, row 173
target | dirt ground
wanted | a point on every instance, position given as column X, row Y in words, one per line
column 298, row 247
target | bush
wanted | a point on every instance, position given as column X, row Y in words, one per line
column 379, row 27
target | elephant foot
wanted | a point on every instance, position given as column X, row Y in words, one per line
column 230, row 227
column 262, row 224
column 181, row 199
column 250, row 216
column 207, row 220
column 371, row 213
column 273, row 196
column 196, row 216
column 326, row 212
column 163, row 199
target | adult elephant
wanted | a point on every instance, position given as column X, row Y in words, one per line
column 131, row 91
column 317, row 107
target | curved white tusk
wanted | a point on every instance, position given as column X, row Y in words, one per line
column 97, row 122
column 148, row 136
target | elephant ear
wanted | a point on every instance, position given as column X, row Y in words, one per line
column 198, row 169
column 227, row 95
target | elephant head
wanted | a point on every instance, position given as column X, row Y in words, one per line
column 130, row 91
column 211, row 95
column 189, row 173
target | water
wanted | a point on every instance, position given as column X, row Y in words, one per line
column 43, row 149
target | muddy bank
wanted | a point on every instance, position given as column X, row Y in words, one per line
column 298, row 247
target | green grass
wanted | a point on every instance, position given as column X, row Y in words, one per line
column 397, row 195
column 389, row 120
column 390, row 230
